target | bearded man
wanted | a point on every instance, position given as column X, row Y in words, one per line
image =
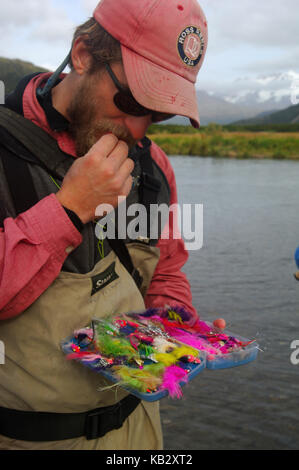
column 68, row 144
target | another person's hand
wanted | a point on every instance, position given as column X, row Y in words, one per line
column 100, row 177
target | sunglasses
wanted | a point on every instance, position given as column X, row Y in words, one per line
column 126, row 103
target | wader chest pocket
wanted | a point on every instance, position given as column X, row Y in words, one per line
column 103, row 279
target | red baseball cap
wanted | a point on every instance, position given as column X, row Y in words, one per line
column 163, row 45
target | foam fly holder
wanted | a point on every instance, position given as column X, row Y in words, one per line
column 244, row 354
column 235, row 358
column 74, row 343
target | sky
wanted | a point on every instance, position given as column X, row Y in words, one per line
column 252, row 43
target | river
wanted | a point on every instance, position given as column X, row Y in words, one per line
column 243, row 273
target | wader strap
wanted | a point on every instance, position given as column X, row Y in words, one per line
column 120, row 249
column 44, row 427
column 150, row 186
column 44, row 148
column 20, row 180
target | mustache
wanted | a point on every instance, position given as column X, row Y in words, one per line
column 86, row 134
column 86, row 128
column 106, row 126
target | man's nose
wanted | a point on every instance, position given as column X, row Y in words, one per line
column 138, row 126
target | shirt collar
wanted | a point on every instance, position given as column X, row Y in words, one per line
column 56, row 120
column 34, row 112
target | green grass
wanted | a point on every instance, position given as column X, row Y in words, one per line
column 219, row 142
column 213, row 127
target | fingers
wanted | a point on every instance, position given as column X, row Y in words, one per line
column 104, row 146
column 127, row 187
column 119, row 156
column 110, row 151
column 124, row 180
column 120, row 183
column 99, row 177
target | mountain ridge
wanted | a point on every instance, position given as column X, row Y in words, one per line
column 13, row 70
column 223, row 110
column 289, row 115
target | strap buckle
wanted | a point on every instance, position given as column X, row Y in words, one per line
column 97, row 425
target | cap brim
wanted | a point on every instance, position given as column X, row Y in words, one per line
column 159, row 89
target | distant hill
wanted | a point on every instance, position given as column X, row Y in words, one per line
column 286, row 116
column 216, row 109
column 212, row 108
column 12, row 70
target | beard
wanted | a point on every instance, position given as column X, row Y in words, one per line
column 85, row 128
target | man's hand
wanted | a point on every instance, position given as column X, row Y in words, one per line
column 100, row 177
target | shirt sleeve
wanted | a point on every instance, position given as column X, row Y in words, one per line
column 170, row 285
column 33, row 248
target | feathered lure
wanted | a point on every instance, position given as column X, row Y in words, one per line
column 178, row 332
column 154, row 377
column 142, row 358
column 171, row 358
column 177, row 322
column 172, row 378
column 149, row 378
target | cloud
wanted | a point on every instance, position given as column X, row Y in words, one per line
column 39, row 32
column 53, row 30
column 270, row 23
column 89, row 5
column 249, row 38
column 35, row 20
column 259, row 87
column 273, row 63
column 15, row 13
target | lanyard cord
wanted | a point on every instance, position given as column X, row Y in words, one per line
column 56, row 184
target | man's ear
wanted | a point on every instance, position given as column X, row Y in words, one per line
column 80, row 56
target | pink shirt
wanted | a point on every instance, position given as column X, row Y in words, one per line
column 35, row 245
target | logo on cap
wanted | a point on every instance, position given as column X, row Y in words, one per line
column 191, row 44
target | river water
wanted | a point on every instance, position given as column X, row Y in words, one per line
column 243, row 273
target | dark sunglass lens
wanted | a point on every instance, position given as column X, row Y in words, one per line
column 128, row 105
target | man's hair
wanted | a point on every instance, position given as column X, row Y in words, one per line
column 100, row 44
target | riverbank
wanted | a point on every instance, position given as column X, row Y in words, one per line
column 230, row 144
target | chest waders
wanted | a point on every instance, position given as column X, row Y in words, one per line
column 46, row 401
